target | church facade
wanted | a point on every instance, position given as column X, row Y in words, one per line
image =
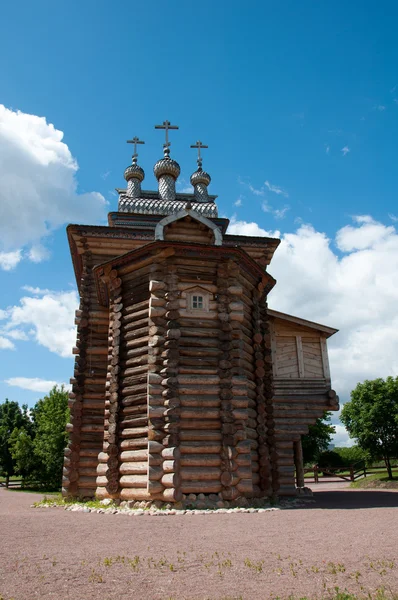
column 185, row 381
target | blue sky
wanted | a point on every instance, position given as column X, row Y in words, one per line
column 298, row 103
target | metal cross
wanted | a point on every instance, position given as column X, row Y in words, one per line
column 135, row 141
column 199, row 145
column 166, row 125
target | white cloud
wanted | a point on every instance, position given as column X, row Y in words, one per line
column 34, row 384
column 368, row 235
column 393, row 218
column 36, row 291
column 280, row 213
column 38, row 191
column 105, row 175
column 6, row 344
column 15, row 334
column 9, row 260
column 48, row 319
column 244, row 228
column 345, row 150
column 276, row 189
column 380, row 107
column 327, row 149
column 255, row 191
column 355, row 292
column 341, row 439
column 38, row 253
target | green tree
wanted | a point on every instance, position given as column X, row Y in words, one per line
column 371, row 417
column 317, row 439
column 22, row 450
column 50, row 416
column 12, row 416
column 352, row 455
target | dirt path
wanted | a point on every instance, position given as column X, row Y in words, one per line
column 347, row 539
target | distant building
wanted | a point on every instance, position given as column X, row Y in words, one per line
column 185, row 382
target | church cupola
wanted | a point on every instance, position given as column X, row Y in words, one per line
column 166, row 169
column 134, row 174
column 200, row 179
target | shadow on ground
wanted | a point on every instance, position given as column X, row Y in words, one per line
column 346, row 499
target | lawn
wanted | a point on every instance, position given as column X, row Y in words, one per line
column 377, row 480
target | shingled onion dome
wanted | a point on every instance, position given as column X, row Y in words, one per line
column 134, row 175
column 166, row 172
column 200, row 180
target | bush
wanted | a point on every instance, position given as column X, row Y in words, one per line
column 328, row 460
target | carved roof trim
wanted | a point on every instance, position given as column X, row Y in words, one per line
column 299, row 321
column 144, row 252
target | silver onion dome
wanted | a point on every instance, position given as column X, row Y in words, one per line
column 166, row 172
column 134, row 171
column 134, row 175
column 166, row 166
column 200, row 176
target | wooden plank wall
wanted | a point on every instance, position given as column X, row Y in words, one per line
column 298, row 352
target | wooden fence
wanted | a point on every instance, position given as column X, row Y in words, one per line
column 351, row 473
column 12, row 483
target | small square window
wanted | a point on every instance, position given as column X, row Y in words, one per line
column 197, row 302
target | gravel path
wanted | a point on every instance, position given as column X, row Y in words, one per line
column 346, row 539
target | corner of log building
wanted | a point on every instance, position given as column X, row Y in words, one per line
column 184, row 380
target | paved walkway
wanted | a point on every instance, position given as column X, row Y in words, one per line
column 52, row 553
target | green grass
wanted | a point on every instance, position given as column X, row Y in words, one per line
column 57, row 499
column 377, row 480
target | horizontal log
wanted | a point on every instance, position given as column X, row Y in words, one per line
column 201, row 487
column 134, row 444
column 154, row 487
column 171, row 480
column 138, row 494
column 205, row 473
column 198, row 390
column 133, row 422
column 134, row 455
column 134, row 481
column 136, row 432
column 172, row 452
column 200, row 447
column 201, row 460
column 172, row 495
column 196, row 424
column 134, row 468
column 199, row 435
column 88, row 482
column 245, row 486
column 196, row 412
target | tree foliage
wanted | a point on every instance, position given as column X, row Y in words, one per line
column 12, row 417
column 33, row 446
column 50, row 416
column 317, row 439
column 371, row 417
column 352, row 455
column 329, row 459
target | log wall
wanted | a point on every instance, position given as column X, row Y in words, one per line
column 170, row 400
column 87, row 398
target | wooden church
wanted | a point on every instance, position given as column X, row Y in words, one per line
column 185, row 382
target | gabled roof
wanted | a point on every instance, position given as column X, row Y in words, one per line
column 298, row 321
